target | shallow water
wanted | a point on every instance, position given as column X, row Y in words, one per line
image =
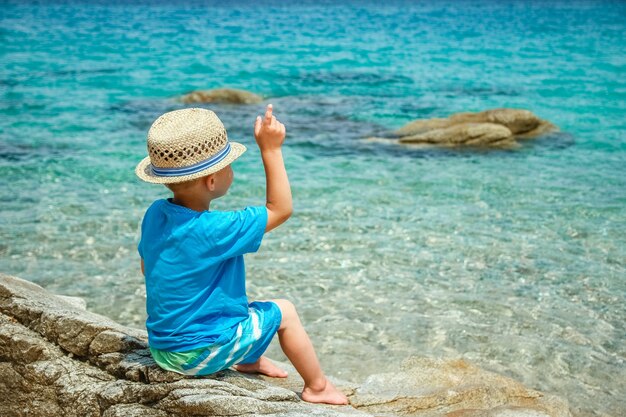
column 514, row 260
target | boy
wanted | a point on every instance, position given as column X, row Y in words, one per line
column 199, row 320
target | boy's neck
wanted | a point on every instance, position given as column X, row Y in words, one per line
column 191, row 202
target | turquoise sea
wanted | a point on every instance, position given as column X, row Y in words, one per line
column 514, row 260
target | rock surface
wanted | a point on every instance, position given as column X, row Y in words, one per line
column 57, row 359
column 497, row 127
column 452, row 388
column 221, row 95
column 474, row 134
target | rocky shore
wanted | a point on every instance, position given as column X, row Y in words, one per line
column 58, row 359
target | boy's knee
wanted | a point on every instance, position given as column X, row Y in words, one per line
column 287, row 309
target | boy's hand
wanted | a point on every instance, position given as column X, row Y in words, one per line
column 268, row 131
column 270, row 135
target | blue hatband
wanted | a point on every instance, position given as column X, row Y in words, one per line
column 192, row 169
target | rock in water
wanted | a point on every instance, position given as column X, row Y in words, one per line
column 221, row 95
column 452, row 388
column 419, row 126
column 516, row 120
column 476, row 129
column 57, row 359
column 474, row 134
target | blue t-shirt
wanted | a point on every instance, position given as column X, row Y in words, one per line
column 194, row 272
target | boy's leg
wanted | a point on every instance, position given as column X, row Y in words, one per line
column 262, row 366
column 297, row 346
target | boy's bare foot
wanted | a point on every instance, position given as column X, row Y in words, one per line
column 262, row 366
column 327, row 395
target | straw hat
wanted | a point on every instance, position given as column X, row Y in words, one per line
column 186, row 144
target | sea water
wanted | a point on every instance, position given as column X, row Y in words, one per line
column 514, row 260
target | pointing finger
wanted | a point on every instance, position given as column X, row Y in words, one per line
column 268, row 113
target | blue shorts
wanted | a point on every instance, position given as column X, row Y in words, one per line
column 252, row 338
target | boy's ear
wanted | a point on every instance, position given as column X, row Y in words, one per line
column 210, row 182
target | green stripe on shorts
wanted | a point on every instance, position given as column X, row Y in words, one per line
column 175, row 361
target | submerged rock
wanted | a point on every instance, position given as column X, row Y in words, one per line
column 476, row 134
column 452, row 388
column 57, row 359
column 486, row 128
column 221, row 95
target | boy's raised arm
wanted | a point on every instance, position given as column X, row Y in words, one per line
column 270, row 135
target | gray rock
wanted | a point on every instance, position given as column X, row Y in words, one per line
column 221, row 95
column 57, row 359
column 420, row 126
column 474, row 134
column 133, row 410
column 516, row 120
column 456, row 388
column 476, row 129
column 74, row 301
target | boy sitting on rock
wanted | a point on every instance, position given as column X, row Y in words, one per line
column 199, row 319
